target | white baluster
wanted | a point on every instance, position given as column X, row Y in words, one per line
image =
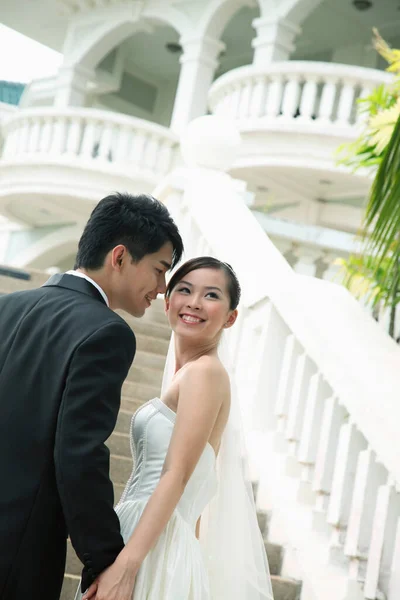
column 224, row 105
column 164, row 160
column 57, row 146
column 245, row 99
column 274, row 95
column 394, row 584
column 257, row 102
column 105, row 145
column 332, row 419
column 328, row 97
column 34, row 136
column 346, row 103
column 319, row 392
column 269, row 378
column 304, row 370
column 88, row 139
column 235, row 101
column 25, row 135
column 308, row 98
column 123, row 145
column 151, row 153
column 45, row 140
column 307, row 261
column 383, row 540
column 290, row 102
column 369, row 476
column 351, row 443
column 140, row 140
column 361, row 115
column 11, row 141
column 73, row 137
column 286, row 380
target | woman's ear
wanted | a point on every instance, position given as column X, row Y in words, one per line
column 166, row 305
column 231, row 319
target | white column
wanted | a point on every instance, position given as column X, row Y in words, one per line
column 198, row 63
column 274, row 41
column 72, row 85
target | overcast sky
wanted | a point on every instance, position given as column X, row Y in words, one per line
column 22, row 59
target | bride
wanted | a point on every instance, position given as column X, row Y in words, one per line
column 187, row 514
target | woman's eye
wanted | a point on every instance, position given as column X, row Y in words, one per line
column 184, row 289
column 213, row 295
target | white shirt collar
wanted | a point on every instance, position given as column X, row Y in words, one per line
column 90, row 280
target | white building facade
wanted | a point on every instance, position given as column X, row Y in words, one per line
column 282, row 77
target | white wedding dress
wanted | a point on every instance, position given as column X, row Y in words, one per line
column 174, row 569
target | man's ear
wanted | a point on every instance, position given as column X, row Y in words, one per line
column 117, row 256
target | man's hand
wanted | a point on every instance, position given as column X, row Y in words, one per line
column 115, row 583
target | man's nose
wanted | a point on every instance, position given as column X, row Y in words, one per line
column 162, row 286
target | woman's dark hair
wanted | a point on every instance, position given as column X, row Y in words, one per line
column 140, row 222
column 208, row 262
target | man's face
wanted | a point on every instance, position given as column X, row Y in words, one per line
column 142, row 281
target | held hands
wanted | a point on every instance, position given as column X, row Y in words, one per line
column 115, row 583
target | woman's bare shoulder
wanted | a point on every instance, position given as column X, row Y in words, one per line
column 211, row 367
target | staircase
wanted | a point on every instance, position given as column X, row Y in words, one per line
column 144, row 382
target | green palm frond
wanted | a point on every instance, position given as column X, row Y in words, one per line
column 383, row 209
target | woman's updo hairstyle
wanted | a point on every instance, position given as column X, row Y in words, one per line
column 208, row 262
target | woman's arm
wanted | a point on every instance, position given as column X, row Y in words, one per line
column 202, row 391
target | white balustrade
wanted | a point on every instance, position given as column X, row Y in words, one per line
column 304, row 378
column 89, row 135
column 320, row 94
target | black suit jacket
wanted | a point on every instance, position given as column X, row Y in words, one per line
column 63, row 358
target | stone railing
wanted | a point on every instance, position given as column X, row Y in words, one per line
column 311, row 96
column 318, row 380
column 91, row 137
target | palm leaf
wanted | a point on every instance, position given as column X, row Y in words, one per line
column 383, row 209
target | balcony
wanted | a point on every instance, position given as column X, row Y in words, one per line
column 56, row 163
column 292, row 116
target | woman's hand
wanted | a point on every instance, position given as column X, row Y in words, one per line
column 115, row 583
column 90, row 593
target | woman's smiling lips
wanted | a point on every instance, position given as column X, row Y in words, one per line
column 191, row 319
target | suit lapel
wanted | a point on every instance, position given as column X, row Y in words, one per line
column 77, row 284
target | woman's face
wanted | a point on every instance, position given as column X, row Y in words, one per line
column 199, row 305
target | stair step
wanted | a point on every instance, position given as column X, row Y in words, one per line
column 70, row 585
column 119, row 444
column 124, row 419
column 149, row 360
column 73, row 565
column 148, row 327
column 120, row 469
column 131, row 405
column 274, row 553
column 151, row 344
column 145, row 375
column 285, row 589
column 156, row 316
column 263, row 518
column 140, row 391
column 118, row 491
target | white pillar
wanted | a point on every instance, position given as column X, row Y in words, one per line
column 198, row 63
column 274, row 41
column 72, row 85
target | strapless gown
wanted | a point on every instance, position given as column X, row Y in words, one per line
column 174, row 569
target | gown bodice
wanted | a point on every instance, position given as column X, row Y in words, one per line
column 151, row 431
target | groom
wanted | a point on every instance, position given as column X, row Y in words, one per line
column 63, row 358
